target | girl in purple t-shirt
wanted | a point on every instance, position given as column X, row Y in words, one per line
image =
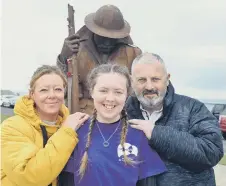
column 109, row 151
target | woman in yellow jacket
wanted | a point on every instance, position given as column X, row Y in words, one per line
column 38, row 141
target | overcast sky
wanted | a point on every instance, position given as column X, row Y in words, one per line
column 189, row 35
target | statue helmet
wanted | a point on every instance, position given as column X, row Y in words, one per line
column 108, row 21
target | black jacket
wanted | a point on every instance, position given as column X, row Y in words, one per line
column 187, row 138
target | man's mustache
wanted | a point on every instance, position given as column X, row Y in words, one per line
column 152, row 91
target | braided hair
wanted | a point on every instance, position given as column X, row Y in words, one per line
column 92, row 80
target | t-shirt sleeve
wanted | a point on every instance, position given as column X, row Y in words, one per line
column 150, row 162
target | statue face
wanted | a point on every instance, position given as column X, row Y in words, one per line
column 104, row 44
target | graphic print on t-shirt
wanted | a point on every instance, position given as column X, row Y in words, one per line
column 130, row 150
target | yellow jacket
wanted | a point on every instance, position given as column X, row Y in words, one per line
column 24, row 160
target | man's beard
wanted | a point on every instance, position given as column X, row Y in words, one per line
column 151, row 103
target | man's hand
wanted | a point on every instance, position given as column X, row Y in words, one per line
column 144, row 125
column 71, row 46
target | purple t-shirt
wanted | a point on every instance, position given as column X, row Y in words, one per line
column 106, row 165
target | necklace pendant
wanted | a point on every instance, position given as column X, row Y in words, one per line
column 105, row 143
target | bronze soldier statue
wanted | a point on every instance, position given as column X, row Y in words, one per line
column 104, row 38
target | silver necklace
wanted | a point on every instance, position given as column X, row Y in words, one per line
column 106, row 142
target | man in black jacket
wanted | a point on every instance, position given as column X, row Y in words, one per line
column 181, row 129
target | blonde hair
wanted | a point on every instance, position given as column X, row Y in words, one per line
column 43, row 70
column 102, row 69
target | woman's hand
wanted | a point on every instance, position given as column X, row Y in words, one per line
column 75, row 120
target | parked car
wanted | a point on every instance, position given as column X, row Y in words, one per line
column 6, row 100
column 219, row 111
column 13, row 100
